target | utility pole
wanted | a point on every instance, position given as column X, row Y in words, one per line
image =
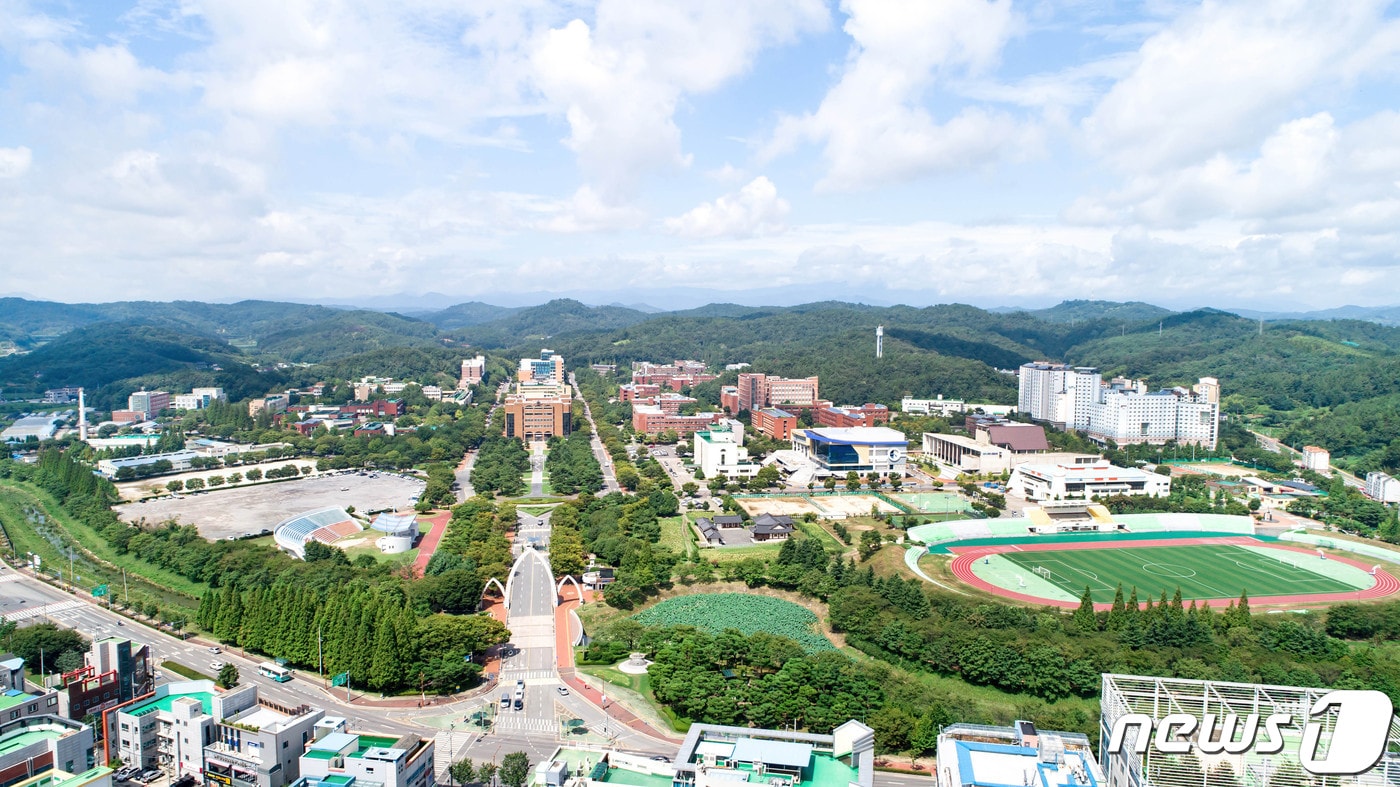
column 70, row 570
column 126, row 591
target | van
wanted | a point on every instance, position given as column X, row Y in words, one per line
column 505, row 700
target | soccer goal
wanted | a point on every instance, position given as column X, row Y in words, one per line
column 1044, row 572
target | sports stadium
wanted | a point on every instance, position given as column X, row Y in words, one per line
column 1050, row 556
column 326, row 525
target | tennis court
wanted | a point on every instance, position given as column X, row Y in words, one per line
column 933, row 502
column 1210, row 571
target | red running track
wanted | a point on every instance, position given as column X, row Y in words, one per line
column 429, row 543
column 1385, row 585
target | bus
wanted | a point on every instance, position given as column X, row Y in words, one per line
column 269, row 670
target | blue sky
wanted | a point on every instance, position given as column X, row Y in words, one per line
column 1227, row 154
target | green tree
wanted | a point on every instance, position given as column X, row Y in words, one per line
column 853, row 480
column 228, row 677
column 175, row 486
column 1084, row 618
column 68, row 661
column 462, row 771
column 194, row 484
column 870, row 543
column 515, row 769
column 486, row 773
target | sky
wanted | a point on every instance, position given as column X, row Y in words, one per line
column 996, row 153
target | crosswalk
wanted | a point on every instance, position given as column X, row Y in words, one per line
column 511, row 676
column 9, row 577
column 512, row 723
column 45, row 609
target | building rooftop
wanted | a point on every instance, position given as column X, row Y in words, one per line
column 1019, row 437
column 205, row 698
column 858, row 435
column 30, row 735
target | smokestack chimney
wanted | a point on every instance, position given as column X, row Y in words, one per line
column 82, row 417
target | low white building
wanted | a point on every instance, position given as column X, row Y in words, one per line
column 720, row 451
column 939, row 406
column 1382, row 487
column 964, row 454
column 179, row 461
column 1316, row 459
column 863, row 449
column 1084, row 479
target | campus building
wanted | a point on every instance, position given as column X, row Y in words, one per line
column 50, row 751
column 965, row 454
column 775, row 423
column 276, row 403
column 756, row 391
column 117, row 670
column 538, row 411
column 179, row 461
column 673, row 376
column 473, row 371
column 1123, row 411
column 974, row 755
column 652, row 419
column 950, row 407
column 848, row 416
column 148, row 402
column 1138, row 704
column 548, row 368
column 864, row 449
column 1084, row 478
column 720, row 451
column 1381, row 487
column 196, row 399
column 336, row 757
column 257, row 742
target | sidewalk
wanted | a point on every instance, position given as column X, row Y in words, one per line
column 564, row 631
column 430, row 541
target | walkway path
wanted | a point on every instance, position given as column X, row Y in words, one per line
column 430, row 541
column 566, row 630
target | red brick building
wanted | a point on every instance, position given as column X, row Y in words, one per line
column 865, row 415
column 651, row 419
column 777, row 424
column 756, row 391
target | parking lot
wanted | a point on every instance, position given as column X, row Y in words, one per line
column 250, row 509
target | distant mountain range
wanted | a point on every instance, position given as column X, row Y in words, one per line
column 1316, row 363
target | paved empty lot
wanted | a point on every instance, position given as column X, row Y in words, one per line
column 233, row 512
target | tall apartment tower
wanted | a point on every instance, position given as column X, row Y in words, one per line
column 879, row 341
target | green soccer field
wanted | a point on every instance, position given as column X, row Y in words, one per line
column 1201, row 571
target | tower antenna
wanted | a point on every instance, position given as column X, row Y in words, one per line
column 879, row 341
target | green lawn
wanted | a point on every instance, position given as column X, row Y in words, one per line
column 675, row 534
column 1201, row 571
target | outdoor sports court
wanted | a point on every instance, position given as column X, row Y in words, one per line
column 933, row 502
column 1210, row 570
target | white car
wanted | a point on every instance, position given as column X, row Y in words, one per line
column 215, row 649
column 216, row 665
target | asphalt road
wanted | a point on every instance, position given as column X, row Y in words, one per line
column 599, row 452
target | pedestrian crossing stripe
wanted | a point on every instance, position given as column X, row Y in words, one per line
column 527, row 725
column 45, row 609
column 510, row 677
column 9, row 577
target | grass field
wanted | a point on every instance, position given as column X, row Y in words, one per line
column 1201, row 571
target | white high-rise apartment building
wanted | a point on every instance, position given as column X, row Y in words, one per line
column 1123, row 411
column 1382, row 487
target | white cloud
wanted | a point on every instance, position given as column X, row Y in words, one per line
column 14, row 162
column 619, row 82
column 1223, row 74
column 873, row 124
column 756, row 209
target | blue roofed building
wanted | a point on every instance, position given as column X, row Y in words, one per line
column 972, row 755
column 864, row 449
